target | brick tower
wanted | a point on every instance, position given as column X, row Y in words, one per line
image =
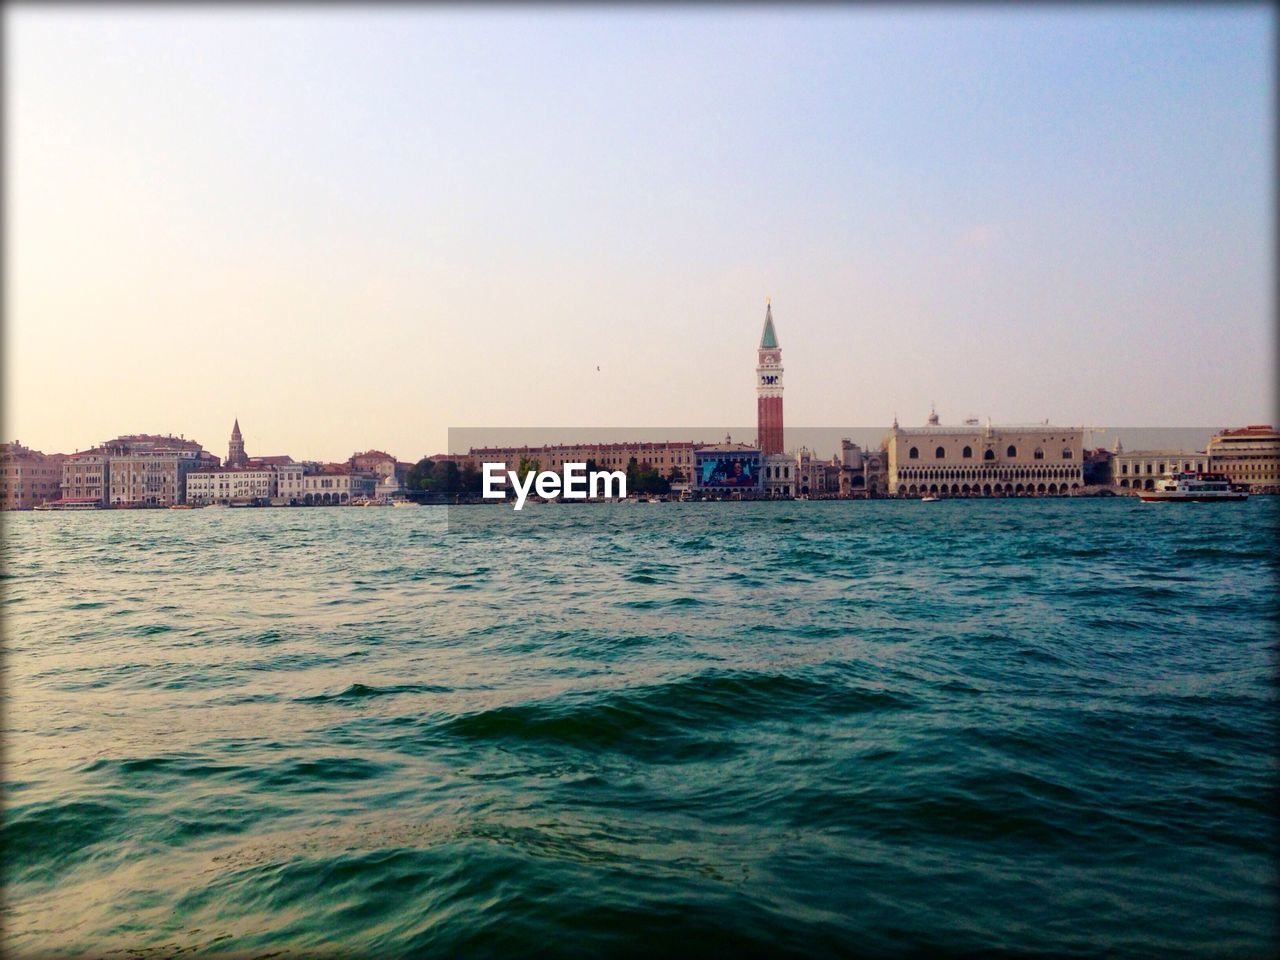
column 769, row 388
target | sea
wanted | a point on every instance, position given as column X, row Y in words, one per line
column 867, row 729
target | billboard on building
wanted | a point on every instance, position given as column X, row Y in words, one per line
column 729, row 470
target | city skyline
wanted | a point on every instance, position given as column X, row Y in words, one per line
column 1019, row 214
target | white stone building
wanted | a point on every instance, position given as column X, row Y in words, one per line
column 779, row 471
column 1140, row 469
column 990, row 461
column 1249, row 455
column 301, row 485
column 250, row 485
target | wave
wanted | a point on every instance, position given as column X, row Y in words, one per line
column 362, row 691
column 655, row 719
column 42, row 840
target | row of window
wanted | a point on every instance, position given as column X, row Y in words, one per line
column 1137, row 468
column 967, row 453
column 975, row 473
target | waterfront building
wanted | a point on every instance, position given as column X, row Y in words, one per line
column 769, row 433
column 809, row 473
column 668, row 458
column 875, row 472
column 233, row 485
column 1140, row 469
column 146, row 470
column 973, row 461
column 289, row 487
column 862, row 472
column 827, row 480
column 852, row 473
column 84, row 476
column 325, row 484
column 1248, row 456
column 377, row 462
column 779, row 470
column 134, row 470
column 28, row 477
column 389, row 471
column 729, row 469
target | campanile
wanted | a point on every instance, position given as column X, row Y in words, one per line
column 235, row 449
column 769, row 388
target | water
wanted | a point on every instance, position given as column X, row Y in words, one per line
column 785, row 729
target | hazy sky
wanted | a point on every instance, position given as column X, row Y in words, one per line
column 356, row 228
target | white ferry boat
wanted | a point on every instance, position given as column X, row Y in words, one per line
column 1194, row 488
column 70, row 503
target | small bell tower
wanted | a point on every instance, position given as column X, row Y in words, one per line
column 235, row 449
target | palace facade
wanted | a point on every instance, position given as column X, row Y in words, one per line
column 134, row 470
column 990, row 461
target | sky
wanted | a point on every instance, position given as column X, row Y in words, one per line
column 357, row 228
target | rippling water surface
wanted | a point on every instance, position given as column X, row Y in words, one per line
column 798, row 728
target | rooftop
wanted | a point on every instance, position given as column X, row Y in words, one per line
column 1253, row 430
column 976, row 429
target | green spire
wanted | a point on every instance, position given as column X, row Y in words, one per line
column 769, row 340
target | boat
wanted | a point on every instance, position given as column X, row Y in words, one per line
column 404, row 503
column 1193, row 488
column 928, row 498
column 181, row 506
column 70, row 503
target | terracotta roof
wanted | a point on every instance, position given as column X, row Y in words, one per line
column 1253, row 430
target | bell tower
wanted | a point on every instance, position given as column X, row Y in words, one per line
column 769, row 388
column 235, row 449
